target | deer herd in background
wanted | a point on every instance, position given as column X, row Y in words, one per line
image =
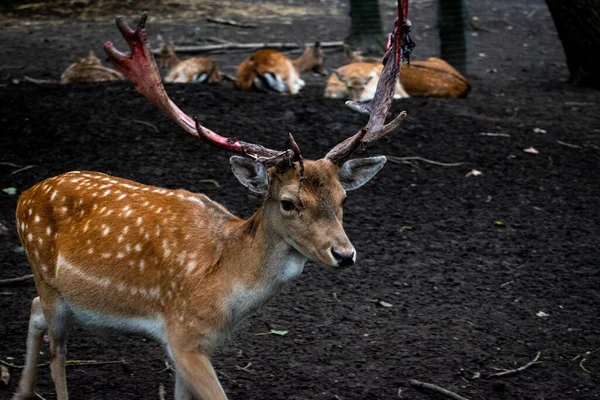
column 272, row 71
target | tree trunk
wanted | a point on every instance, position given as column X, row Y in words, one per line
column 578, row 25
column 453, row 42
column 366, row 32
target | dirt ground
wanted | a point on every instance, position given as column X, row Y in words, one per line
column 481, row 272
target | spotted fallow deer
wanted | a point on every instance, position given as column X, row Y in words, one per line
column 176, row 265
column 89, row 69
column 433, row 77
column 358, row 82
column 192, row 70
column 270, row 70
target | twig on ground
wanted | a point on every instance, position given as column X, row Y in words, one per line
column 5, row 293
column 247, row 46
column 161, row 391
column 584, row 357
column 245, row 368
column 516, row 370
column 228, row 77
column 401, row 160
column 231, row 22
column 41, row 81
column 436, row 389
column 22, row 169
column 148, row 124
column 39, row 396
column 68, row 363
column 494, row 134
column 225, row 375
column 11, row 281
column 168, row 367
column 574, row 146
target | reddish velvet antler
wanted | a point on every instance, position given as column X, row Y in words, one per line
column 384, row 94
column 141, row 69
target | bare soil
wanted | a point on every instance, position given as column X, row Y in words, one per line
column 481, row 272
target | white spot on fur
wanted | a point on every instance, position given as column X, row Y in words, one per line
column 37, row 218
column 191, row 266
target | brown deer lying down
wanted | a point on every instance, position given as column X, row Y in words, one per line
column 196, row 69
column 431, row 78
column 358, row 82
column 89, row 69
column 176, row 265
column 270, row 70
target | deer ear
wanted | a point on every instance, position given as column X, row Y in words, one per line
column 355, row 173
column 251, row 174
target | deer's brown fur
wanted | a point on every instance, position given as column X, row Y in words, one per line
column 196, row 69
column 89, row 69
column 282, row 74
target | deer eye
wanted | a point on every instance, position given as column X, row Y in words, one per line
column 287, row 205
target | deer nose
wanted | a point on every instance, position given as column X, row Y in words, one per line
column 344, row 259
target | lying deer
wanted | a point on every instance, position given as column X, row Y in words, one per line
column 176, row 265
column 196, row 69
column 358, row 82
column 89, row 69
column 270, row 70
column 431, row 78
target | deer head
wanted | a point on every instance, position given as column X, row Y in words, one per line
column 303, row 198
column 90, row 60
column 355, row 85
column 168, row 57
column 311, row 60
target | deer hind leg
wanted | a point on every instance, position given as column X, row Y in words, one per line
column 57, row 332
column 195, row 372
column 182, row 389
column 35, row 335
column 200, row 78
column 270, row 82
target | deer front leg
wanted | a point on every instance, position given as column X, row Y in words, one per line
column 197, row 374
column 35, row 335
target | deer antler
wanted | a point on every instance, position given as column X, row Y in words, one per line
column 398, row 43
column 141, row 69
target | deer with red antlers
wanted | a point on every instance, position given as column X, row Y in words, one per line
column 176, row 265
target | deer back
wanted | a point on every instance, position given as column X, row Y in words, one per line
column 433, row 78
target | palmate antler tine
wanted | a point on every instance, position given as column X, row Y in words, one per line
column 382, row 100
column 140, row 67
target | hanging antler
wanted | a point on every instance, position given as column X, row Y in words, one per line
column 141, row 69
column 398, row 43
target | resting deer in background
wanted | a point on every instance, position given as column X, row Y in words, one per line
column 89, row 69
column 358, row 82
column 196, row 69
column 431, row 78
column 176, row 265
column 270, row 70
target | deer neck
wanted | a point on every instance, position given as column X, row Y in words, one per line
column 304, row 63
column 262, row 262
